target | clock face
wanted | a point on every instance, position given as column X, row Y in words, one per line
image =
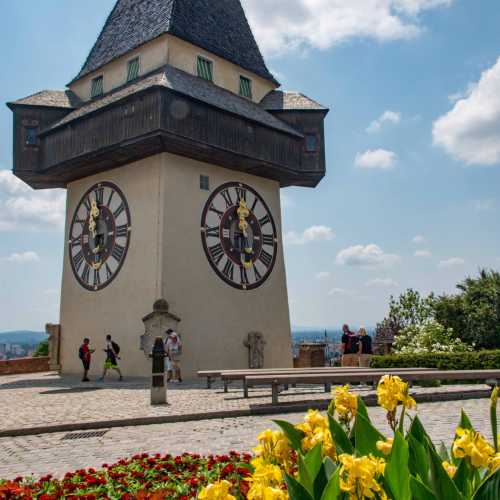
column 99, row 236
column 239, row 236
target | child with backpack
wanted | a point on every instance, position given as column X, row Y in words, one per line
column 112, row 350
column 85, row 354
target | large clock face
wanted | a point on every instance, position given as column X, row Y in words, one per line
column 239, row 236
column 99, row 236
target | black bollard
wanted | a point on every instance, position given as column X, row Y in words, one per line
column 158, row 389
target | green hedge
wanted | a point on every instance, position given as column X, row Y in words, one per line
column 481, row 360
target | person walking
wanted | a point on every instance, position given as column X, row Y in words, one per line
column 349, row 347
column 365, row 348
column 174, row 352
column 112, row 350
column 85, row 354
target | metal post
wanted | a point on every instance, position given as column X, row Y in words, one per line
column 158, row 389
column 275, row 392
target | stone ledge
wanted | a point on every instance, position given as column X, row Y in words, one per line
column 24, row 365
column 258, row 410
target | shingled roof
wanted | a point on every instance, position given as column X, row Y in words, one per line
column 219, row 26
column 290, row 101
column 188, row 85
column 50, row 99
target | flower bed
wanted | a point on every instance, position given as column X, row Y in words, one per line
column 340, row 455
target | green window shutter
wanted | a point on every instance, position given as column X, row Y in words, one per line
column 133, row 69
column 205, row 69
column 245, row 87
column 97, row 87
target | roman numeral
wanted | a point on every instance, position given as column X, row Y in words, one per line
column 217, row 253
column 266, row 258
column 212, row 231
column 122, row 231
column 265, row 220
column 87, row 204
column 97, row 278
column 268, row 240
column 241, row 193
column 110, row 198
column 227, row 198
column 243, row 276
column 119, row 210
column 258, row 276
column 99, row 195
column 254, row 204
column 76, row 243
column 109, row 273
column 215, row 211
column 229, row 269
column 86, row 273
column 77, row 260
column 118, row 252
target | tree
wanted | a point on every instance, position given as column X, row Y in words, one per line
column 42, row 350
column 474, row 313
column 409, row 310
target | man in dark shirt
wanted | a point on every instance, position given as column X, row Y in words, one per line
column 365, row 348
column 349, row 347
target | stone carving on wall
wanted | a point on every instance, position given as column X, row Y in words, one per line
column 255, row 345
column 54, row 333
column 156, row 325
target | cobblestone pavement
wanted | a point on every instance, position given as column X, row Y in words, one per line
column 50, row 453
column 39, row 400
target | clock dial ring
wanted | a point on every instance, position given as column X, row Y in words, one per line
column 99, row 236
column 242, row 258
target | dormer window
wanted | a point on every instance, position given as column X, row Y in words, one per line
column 245, row 87
column 97, row 87
column 133, row 69
column 205, row 69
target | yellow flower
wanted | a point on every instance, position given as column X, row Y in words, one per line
column 385, row 446
column 494, row 463
column 345, row 403
column 359, row 476
column 450, row 469
column 217, row 491
column 273, row 447
column 265, row 482
column 392, row 391
column 471, row 444
column 316, row 430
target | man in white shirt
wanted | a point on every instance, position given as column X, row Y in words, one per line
column 173, row 348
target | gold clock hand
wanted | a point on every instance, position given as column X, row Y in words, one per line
column 243, row 213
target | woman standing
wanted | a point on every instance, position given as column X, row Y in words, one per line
column 365, row 348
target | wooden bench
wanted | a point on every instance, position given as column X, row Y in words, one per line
column 276, row 381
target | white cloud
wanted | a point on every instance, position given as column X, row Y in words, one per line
column 313, row 233
column 323, row 275
column 366, row 256
column 483, row 205
column 382, row 283
column 376, row 159
column 423, row 253
column 22, row 208
column 22, row 258
column 419, row 239
column 470, row 131
column 453, row 262
column 386, row 117
column 289, row 25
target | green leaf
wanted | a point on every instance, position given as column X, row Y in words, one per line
column 362, row 409
column 490, row 488
column 396, row 472
column 320, row 482
column 295, row 490
column 420, row 491
column 366, row 437
column 465, row 422
column 494, row 420
column 305, row 478
column 441, row 484
column 332, row 490
column 313, row 461
column 418, row 462
column 463, row 478
column 443, row 452
column 418, row 431
column 340, row 437
column 330, row 467
column 294, row 435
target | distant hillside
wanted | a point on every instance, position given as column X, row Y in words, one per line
column 22, row 337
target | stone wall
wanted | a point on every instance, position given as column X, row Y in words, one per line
column 24, row 365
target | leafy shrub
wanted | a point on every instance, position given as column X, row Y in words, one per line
column 481, row 360
column 42, row 350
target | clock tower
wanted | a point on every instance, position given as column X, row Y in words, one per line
column 173, row 142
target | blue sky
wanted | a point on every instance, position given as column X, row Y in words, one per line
column 412, row 193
